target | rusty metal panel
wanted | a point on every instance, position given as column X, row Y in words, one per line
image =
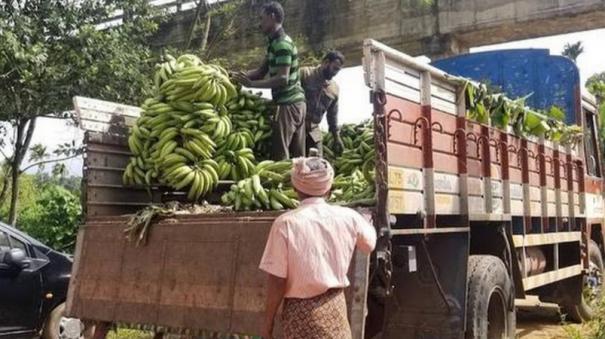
column 105, row 158
column 198, row 272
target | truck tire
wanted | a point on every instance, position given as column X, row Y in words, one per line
column 489, row 299
column 57, row 326
column 591, row 288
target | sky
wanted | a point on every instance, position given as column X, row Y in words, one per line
column 354, row 96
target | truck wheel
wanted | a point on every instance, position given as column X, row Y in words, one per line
column 591, row 287
column 489, row 299
column 58, row 326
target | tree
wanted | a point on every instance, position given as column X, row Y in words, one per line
column 53, row 218
column 29, row 190
column 51, row 50
column 573, row 51
column 596, row 85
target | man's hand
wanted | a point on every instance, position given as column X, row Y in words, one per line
column 242, row 78
column 338, row 144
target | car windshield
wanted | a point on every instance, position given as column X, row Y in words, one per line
column 33, row 241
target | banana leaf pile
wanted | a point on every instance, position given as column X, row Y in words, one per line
column 486, row 107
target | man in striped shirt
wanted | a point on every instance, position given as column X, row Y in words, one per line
column 281, row 64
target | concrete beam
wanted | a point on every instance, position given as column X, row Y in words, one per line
column 445, row 28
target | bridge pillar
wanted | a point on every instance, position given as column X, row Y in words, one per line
column 444, row 46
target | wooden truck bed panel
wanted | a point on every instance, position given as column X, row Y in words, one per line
column 105, row 158
column 197, row 272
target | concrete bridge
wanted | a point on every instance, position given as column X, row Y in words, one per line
column 438, row 28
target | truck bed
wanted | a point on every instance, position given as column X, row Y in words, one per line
column 198, row 272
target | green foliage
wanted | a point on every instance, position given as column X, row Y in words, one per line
column 27, row 196
column 596, row 85
column 51, row 50
column 573, row 51
column 485, row 107
column 53, row 218
column 59, row 178
column 49, row 208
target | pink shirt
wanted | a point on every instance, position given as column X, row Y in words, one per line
column 312, row 247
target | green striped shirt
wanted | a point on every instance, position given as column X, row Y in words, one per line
column 282, row 52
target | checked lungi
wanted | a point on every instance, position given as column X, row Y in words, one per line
column 320, row 317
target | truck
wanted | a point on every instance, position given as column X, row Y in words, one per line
column 470, row 218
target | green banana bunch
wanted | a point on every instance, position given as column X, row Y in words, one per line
column 252, row 114
column 276, row 173
column 206, row 83
column 235, row 164
column 200, row 129
column 179, row 128
column 139, row 172
column 198, row 143
column 188, row 79
column 236, row 141
column 352, row 188
column 218, row 127
column 359, row 152
column 201, row 177
column 249, row 194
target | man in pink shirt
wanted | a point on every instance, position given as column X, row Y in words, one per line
column 307, row 257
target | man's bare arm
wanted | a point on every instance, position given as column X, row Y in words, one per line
column 259, row 73
column 276, row 289
column 279, row 80
column 332, row 116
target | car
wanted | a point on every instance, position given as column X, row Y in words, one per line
column 33, row 288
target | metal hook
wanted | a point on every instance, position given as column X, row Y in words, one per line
column 393, row 112
column 391, row 119
column 417, row 124
column 564, row 165
column 482, row 140
column 495, row 143
column 513, row 149
column 457, row 135
column 438, row 125
column 549, row 160
column 473, row 139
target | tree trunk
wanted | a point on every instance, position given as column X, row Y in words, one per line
column 203, row 4
column 12, row 213
column 206, row 33
column 22, row 143
column 5, row 184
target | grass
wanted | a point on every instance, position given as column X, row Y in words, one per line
column 129, row 334
column 594, row 329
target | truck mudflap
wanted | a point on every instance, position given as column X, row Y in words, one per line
column 197, row 274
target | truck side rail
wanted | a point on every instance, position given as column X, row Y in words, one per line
column 445, row 173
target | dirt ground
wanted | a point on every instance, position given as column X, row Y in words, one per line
column 541, row 328
column 535, row 320
column 540, row 321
